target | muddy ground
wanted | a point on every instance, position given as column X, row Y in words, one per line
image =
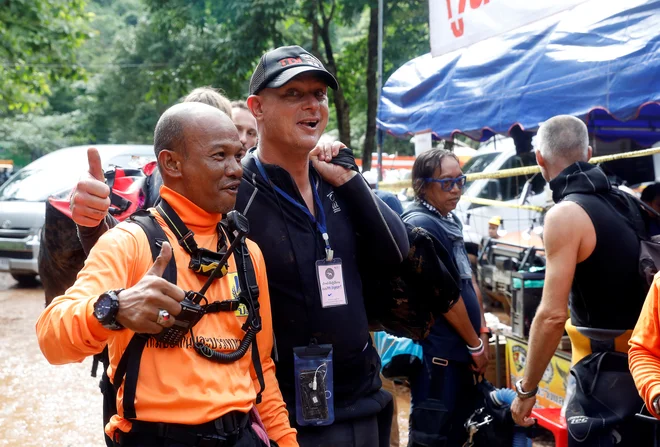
column 42, row 404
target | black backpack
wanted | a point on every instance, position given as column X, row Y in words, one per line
column 404, row 301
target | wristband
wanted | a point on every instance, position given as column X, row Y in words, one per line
column 486, row 330
column 478, row 348
column 477, row 353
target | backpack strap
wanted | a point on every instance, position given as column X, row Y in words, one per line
column 156, row 236
column 128, row 367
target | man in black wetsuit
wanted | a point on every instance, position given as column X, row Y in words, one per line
column 298, row 191
column 592, row 253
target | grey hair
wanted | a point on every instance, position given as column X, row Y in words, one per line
column 210, row 96
column 563, row 137
column 239, row 104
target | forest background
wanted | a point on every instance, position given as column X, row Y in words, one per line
column 102, row 71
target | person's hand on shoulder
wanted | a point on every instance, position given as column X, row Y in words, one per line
column 140, row 305
column 322, row 156
column 90, row 200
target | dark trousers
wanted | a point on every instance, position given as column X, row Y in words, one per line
column 443, row 396
column 367, row 431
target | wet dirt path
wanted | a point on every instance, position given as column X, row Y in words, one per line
column 41, row 404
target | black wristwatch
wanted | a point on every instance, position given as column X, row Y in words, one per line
column 106, row 308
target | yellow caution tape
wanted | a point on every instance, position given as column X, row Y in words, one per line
column 489, row 202
column 527, row 170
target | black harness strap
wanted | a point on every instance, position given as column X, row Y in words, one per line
column 129, row 368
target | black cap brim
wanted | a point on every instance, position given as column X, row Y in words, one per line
column 287, row 75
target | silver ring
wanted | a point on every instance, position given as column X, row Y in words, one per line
column 163, row 317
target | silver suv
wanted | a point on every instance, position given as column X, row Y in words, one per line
column 23, row 199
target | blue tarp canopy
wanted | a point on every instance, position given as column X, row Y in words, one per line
column 599, row 61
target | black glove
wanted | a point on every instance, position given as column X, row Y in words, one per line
column 345, row 159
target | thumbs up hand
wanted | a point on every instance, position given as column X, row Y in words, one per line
column 91, row 198
column 140, row 305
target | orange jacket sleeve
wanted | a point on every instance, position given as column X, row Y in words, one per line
column 67, row 330
column 272, row 408
column 644, row 354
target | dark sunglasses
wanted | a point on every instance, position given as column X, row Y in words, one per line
column 447, row 184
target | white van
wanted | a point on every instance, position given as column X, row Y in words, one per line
column 23, row 200
column 498, row 154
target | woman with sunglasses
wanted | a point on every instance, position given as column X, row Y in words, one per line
column 443, row 393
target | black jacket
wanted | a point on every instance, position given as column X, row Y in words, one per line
column 291, row 245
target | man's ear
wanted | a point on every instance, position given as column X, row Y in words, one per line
column 255, row 104
column 539, row 159
column 169, row 163
column 590, row 152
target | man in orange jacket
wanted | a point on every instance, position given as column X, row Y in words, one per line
column 644, row 354
column 172, row 395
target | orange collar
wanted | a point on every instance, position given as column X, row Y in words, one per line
column 196, row 219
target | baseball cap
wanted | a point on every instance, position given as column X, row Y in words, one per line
column 279, row 66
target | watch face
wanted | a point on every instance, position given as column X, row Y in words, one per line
column 103, row 307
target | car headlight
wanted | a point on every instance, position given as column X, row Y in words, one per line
column 34, row 237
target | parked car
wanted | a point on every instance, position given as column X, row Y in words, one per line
column 496, row 155
column 500, row 153
column 23, row 199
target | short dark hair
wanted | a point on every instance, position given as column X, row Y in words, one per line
column 239, row 104
column 169, row 133
column 650, row 193
column 425, row 166
column 210, row 96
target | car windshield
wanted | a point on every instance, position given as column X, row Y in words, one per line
column 54, row 174
column 478, row 163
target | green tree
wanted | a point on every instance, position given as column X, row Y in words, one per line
column 143, row 55
column 38, row 42
column 28, row 137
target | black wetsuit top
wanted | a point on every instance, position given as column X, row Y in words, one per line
column 608, row 292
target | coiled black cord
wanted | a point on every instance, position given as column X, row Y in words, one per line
column 231, row 357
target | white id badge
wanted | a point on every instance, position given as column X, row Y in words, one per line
column 331, row 283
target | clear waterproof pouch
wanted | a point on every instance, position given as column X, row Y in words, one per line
column 314, row 391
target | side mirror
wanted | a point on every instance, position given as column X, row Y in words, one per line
column 524, row 195
column 493, row 190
